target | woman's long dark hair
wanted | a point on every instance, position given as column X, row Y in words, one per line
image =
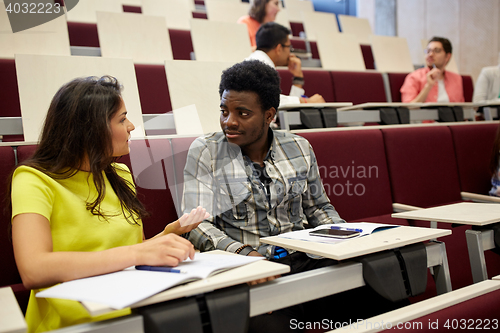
column 77, row 130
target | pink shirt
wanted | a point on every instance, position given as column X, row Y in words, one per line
column 415, row 82
column 252, row 25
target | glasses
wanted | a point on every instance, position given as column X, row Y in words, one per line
column 434, row 50
column 290, row 46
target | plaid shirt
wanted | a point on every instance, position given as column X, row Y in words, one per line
column 219, row 178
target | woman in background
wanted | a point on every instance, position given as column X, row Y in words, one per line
column 75, row 212
column 261, row 11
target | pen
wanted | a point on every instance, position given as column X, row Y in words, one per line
column 158, row 269
column 348, row 229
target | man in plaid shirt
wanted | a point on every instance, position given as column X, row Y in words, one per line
column 254, row 182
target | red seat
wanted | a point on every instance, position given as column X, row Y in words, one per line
column 297, row 28
column 473, row 146
column 316, row 82
column 300, row 44
column 181, row 43
column 358, row 87
column 354, row 171
column 132, row 9
column 366, row 50
column 468, row 87
column 147, row 163
column 153, row 89
column 396, row 80
column 83, row 34
column 9, row 274
column 9, row 95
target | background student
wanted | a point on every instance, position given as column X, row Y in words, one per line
column 75, row 212
column 261, row 11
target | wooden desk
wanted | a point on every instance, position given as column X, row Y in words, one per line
column 254, row 271
column 470, row 213
column 376, row 242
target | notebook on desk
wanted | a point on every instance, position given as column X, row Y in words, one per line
column 124, row 288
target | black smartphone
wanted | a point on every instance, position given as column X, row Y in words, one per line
column 335, row 233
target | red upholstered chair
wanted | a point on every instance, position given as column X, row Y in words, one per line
column 9, row 275
column 132, row 9
column 396, row 80
column 9, row 94
column 366, row 50
column 354, row 171
column 468, row 87
column 358, row 87
column 297, row 28
column 147, row 162
column 422, row 165
column 25, row 152
column 316, row 82
column 300, row 44
column 473, row 146
column 180, row 148
column 153, row 88
column 181, row 43
column 199, row 15
column 83, row 34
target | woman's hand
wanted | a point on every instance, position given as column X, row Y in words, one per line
column 187, row 222
column 167, row 250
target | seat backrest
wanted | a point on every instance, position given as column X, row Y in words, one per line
column 153, row 88
column 83, row 34
column 358, row 87
column 10, row 274
column 366, row 50
column 353, row 168
column 148, row 161
column 422, row 165
column 318, row 82
column 181, row 43
column 300, row 44
column 9, row 94
column 180, row 148
column 473, row 146
column 468, row 86
column 396, row 80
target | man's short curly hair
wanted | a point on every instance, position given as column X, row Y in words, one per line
column 256, row 76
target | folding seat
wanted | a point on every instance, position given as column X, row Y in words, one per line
column 358, row 87
column 367, row 56
column 468, row 86
column 153, row 88
column 181, row 43
column 83, row 34
column 316, row 82
column 396, row 80
column 297, row 28
column 300, row 44
column 148, row 161
column 9, row 95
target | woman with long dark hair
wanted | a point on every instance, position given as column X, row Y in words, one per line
column 75, row 212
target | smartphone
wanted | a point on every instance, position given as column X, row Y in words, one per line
column 335, row 233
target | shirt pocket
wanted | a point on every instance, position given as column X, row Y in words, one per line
column 296, row 186
column 237, row 198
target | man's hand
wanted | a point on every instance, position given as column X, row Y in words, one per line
column 295, row 66
column 316, row 98
column 433, row 75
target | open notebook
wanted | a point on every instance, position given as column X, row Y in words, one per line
column 366, row 228
column 124, row 288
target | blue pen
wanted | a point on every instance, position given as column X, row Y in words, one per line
column 158, row 269
column 348, row 229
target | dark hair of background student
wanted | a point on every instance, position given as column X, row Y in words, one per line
column 445, row 42
column 255, row 76
column 77, row 129
column 269, row 35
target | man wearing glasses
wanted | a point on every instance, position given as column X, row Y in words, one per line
column 432, row 83
column 274, row 49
